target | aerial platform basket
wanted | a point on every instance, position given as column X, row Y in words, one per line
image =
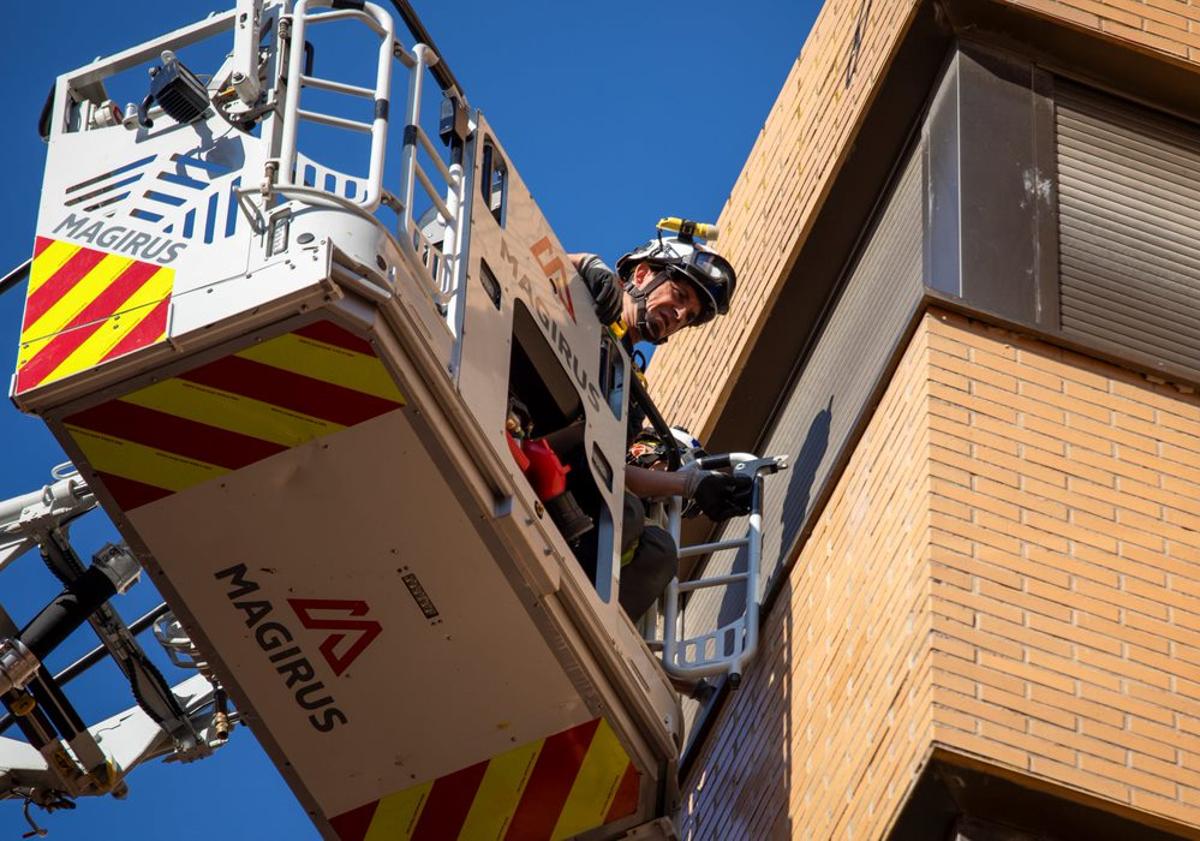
column 290, row 390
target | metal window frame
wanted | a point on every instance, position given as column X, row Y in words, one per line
column 1002, row 220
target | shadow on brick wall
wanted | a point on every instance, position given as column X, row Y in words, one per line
column 741, row 784
column 793, row 511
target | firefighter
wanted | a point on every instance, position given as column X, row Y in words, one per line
column 658, row 289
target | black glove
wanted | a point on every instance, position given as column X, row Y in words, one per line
column 605, row 287
column 721, row 496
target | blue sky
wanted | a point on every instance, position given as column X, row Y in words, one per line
column 613, row 119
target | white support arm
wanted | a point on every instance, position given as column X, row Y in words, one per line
column 130, row 738
column 25, row 519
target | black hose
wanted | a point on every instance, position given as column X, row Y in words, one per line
column 99, row 652
column 46, row 631
column 34, row 725
column 441, row 71
column 68, row 610
column 15, row 276
column 639, row 397
column 50, row 699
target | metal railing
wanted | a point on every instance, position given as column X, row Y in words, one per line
column 437, row 264
column 382, row 24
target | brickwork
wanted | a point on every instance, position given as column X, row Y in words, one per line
column 1008, row 568
column 801, row 147
column 1066, row 567
column 833, row 719
column 767, row 214
column 1168, row 27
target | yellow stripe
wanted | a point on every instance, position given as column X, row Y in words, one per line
column 327, row 363
column 142, row 463
column 499, row 793
column 96, row 346
column 47, row 264
column 231, row 412
column 66, row 308
column 28, row 350
column 595, row 785
column 396, row 815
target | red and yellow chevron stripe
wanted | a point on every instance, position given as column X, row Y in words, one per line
column 547, row 790
column 85, row 307
column 232, row 412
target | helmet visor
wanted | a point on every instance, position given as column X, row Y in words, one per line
column 713, row 278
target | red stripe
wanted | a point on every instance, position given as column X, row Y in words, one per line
column 147, row 332
column 550, row 782
column 59, row 284
column 449, row 801
column 40, row 244
column 291, row 391
column 128, row 493
column 625, row 801
column 172, row 434
column 353, row 825
column 332, row 334
column 87, row 322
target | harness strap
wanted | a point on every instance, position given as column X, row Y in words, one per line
column 639, row 295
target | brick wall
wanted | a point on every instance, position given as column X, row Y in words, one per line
column 771, row 205
column 1018, row 579
column 1168, row 27
column 834, row 717
column 801, row 147
column 1065, row 550
column 1009, row 568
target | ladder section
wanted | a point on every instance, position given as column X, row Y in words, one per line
column 440, row 263
column 367, row 193
column 729, row 648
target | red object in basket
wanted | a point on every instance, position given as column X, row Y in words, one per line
column 546, row 473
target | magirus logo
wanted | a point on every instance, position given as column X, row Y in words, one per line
column 120, row 239
column 282, row 649
column 339, row 616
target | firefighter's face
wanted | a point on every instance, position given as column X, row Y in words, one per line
column 670, row 307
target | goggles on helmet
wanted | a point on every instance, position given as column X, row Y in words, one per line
column 710, row 274
column 649, row 449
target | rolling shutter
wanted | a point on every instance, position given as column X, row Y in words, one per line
column 1129, row 227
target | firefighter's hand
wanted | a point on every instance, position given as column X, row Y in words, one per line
column 721, row 496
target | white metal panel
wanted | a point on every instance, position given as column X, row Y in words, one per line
column 531, row 266
column 346, row 517
column 450, row 620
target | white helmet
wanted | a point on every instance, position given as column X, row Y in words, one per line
column 690, row 446
column 709, row 274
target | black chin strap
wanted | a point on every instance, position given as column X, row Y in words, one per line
column 639, row 295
